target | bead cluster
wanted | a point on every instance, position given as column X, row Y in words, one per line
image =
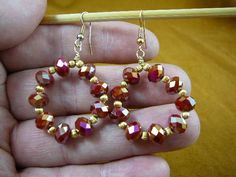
column 83, row 126
column 155, row 133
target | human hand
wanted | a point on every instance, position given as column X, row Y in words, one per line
column 27, row 151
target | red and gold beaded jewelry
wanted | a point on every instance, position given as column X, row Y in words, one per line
column 98, row 88
column 155, row 73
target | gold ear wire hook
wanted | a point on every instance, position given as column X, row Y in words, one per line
column 90, row 31
column 142, row 30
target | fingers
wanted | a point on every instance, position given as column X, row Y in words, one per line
column 146, row 166
column 112, row 42
column 33, row 147
column 18, row 20
column 72, row 96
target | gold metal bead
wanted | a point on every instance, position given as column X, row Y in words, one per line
column 182, row 92
column 74, row 133
column 146, row 67
column 93, row 119
column 141, row 62
column 138, row 68
column 166, row 79
column 39, row 89
column 52, row 70
column 140, row 41
column 104, row 98
column 72, row 63
column 52, row 130
column 185, row 115
column 122, row 125
column 168, row 131
column 144, row 135
column 117, row 104
column 79, row 63
column 38, row 110
column 124, row 84
column 94, row 79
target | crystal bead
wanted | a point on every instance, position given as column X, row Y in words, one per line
column 120, row 114
column 174, row 86
column 87, row 71
column 119, row 93
column 44, row 120
column 155, row 73
column 62, row 133
column 98, row 89
column 44, row 78
column 84, row 126
column 131, row 76
column 38, row 100
column 100, row 109
column 62, row 67
column 177, row 123
column 133, row 131
column 156, row 133
column 185, row 103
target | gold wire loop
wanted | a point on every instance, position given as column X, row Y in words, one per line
column 142, row 28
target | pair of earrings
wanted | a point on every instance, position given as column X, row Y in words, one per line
column 99, row 89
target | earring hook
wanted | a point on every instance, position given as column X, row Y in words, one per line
column 142, row 28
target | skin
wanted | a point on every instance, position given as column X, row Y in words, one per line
column 26, row 151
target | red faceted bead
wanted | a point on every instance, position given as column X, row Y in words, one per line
column 174, row 86
column 131, row 76
column 84, row 126
column 99, row 109
column 156, row 73
column 120, row 114
column 38, row 100
column 87, row 71
column 45, row 120
column 62, row 133
column 44, row 78
column 98, row 89
column 62, row 67
column 156, row 133
column 185, row 103
column 119, row 93
column 177, row 123
column 133, row 131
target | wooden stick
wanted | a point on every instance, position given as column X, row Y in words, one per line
column 147, row 14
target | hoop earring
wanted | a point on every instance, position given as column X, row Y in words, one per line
column 155, row 73
column 98, row 88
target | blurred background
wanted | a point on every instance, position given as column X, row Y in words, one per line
column 206, row 49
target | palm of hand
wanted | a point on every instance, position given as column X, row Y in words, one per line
column 30, row 47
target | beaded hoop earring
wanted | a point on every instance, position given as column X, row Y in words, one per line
column 155, row 133
column 98, row 88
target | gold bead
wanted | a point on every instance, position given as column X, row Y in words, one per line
column 38, row 110
column 124, row 84
column 168, row 131
column 141, row 62
column 138, row 68
column 72, row 63
column 94, row 79
column 185, row 115
column 74, row 133
column 79, row 63
column 144, row 135
column 52, row 70
column 122, row 125
column 104, row 98
column 52, row 130
column 165, row 79
column 117, row 104
column 39, row 89
column 93, row 119
column 146, row 67
column 182, row 92
column 140, row 41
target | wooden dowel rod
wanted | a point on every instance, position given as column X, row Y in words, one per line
column 147, row 14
